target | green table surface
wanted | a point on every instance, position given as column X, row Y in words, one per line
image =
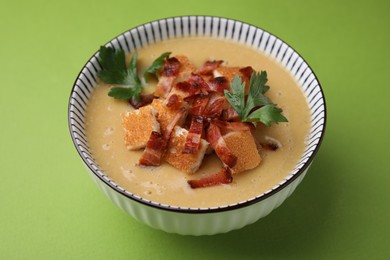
column 50, row 208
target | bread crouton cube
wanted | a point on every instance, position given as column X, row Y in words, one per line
column 188, row 163
column 165, row 114
column 165, row 82
column 186, row 68
column 227, row 72
column 230, row 73
column 243, row 146
column 138, row 125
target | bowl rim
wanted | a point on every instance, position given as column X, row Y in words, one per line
column 250, row 201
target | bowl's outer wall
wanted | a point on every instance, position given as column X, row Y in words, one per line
column 199, row 223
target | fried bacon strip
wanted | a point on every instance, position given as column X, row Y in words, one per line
column 218, row 143
column 153, row 153
column 145, row 99
column 199, row 104
column 194, row 85
column 171, row 67
column 224, row 176
column 172, row 124
column 209, row 67
column 230, row 114
column 219, row 84
column 246, row 72
column 174, row 101
column 194, row 136
column 234, row 126
column 215, row 106
column 187, row 90
column 157, row 144
column 169, row 72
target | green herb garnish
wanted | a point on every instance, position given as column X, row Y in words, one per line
column 156, row 65
column 256, row 106
column 114, row 71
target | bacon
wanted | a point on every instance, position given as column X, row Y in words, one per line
column 145, row 99
column 219, row 84
column 246, row 72
column 174, row 101
column 169, row 72
column 234, row 126
column 188, row 89
column 209, row 67
column 164, row 86
column 157, row 144
column 171, row 67
column 194, row 136
column 230, row 114
column 218, row 143
column 199, row 104
column 215, row 106
column 224, row 176
column 154, row 150
column 172, row 124
column 197, row 81
column 194, row 85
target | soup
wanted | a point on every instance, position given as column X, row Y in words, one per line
column 167, row 185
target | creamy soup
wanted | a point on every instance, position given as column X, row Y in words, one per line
column 167, row 185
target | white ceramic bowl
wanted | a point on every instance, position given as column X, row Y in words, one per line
column 200, row 221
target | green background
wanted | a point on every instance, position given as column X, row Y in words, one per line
column 49, row 207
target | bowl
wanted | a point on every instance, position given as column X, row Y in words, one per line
column 200, row 221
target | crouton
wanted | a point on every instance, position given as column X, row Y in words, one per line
column 243, row 145
column 231, row 72
column 164, row 114
column 178, row 69
column 138, row 125
column 188, row 163
column 227, row 72
column 186, row 68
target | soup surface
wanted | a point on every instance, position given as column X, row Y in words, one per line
column 167, row 185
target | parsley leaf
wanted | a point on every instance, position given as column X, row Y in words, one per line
column 114, row 71
column 267, row 114
column 156, row 65
column 256, row 107
column 257, row 88
column 237, row 97
column 124, row 93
